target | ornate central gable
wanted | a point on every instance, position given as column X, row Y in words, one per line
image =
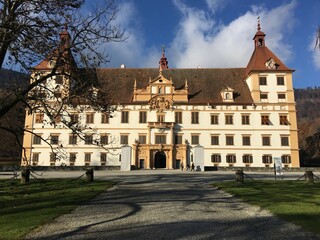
column 160, row 92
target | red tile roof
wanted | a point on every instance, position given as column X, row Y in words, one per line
column 260, row 56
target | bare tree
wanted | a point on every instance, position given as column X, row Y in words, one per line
column 317, row 45
column 66, row 40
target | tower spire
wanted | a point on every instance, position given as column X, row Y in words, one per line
column 65, row 37
column 259, row 36
column 258, row 27
column 163, row 63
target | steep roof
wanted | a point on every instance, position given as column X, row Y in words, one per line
column 204, row 84
column 263, row 55
column 260, row 56
column 61, row 56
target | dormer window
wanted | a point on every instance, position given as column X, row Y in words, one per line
column 227, row 94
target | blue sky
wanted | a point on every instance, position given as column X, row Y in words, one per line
column 218, row 34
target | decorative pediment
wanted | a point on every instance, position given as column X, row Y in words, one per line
column 161, row 80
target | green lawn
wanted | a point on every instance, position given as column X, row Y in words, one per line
column 24, row 207
column 294, row 201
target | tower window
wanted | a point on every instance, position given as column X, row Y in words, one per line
column 263, row 80
column 280, row 80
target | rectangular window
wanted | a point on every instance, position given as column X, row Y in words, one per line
column 280, row 80
column 142, row 139
column 246, row 141
column 103, row 158
column 247, row 158
column 124, row 139
column 214, row 119
column 39, row 117
column 284, row 141
column 160, row 118
column 104, row 118
column 263, row 97
column 89, row 118
column 59, row 79
column 54, row 139
column 231, row 158
column 263, row 81
column 74, row 118
column 216, row 158
column 214, row 140
column 125, row 117
column 265, row 120
column 286, row 159
column 245, row 119
column 195, row 117
column 36, row 139
column 266, row 141
column 57, row 119
column 194, row 139
column 178, row 117
column 178, row 139
column 57, row 94
column 283, row 119
column 281, row 96
column 87, row 159
column 104, row 139
column 161, row 139
column 143, row 117
column 228, row 119
column 73, row 139
column 35, row 158
column 229, row 140
column 88, row 139
column 72, row 158
column 267, row 159
column 53, row 158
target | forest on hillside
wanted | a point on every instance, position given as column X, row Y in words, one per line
column 308, row 114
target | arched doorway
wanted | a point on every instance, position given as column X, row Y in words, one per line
column 160, row 160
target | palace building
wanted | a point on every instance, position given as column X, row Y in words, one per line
column 163, row 118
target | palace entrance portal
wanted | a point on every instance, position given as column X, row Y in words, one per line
column 160, row 160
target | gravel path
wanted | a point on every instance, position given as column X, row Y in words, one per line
column 166, row 206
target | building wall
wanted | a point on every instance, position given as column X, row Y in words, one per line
column 204, row 129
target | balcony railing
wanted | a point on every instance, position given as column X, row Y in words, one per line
column 160, row 125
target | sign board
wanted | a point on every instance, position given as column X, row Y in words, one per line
column 198, row 158
column 125, row 158
column 277, row 166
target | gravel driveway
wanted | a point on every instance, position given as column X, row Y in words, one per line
column 168, row 206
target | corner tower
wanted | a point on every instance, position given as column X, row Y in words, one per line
column 270, row 84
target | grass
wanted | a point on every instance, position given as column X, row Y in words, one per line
column 25, row 207
column 294, row 201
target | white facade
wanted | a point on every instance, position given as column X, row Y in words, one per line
column 238, row 121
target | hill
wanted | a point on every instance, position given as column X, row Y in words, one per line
column 10, row 149
column 308, row 114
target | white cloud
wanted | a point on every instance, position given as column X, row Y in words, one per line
column 201, row 38
column 215, row 5
column 200, row 41
column 132, row 52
